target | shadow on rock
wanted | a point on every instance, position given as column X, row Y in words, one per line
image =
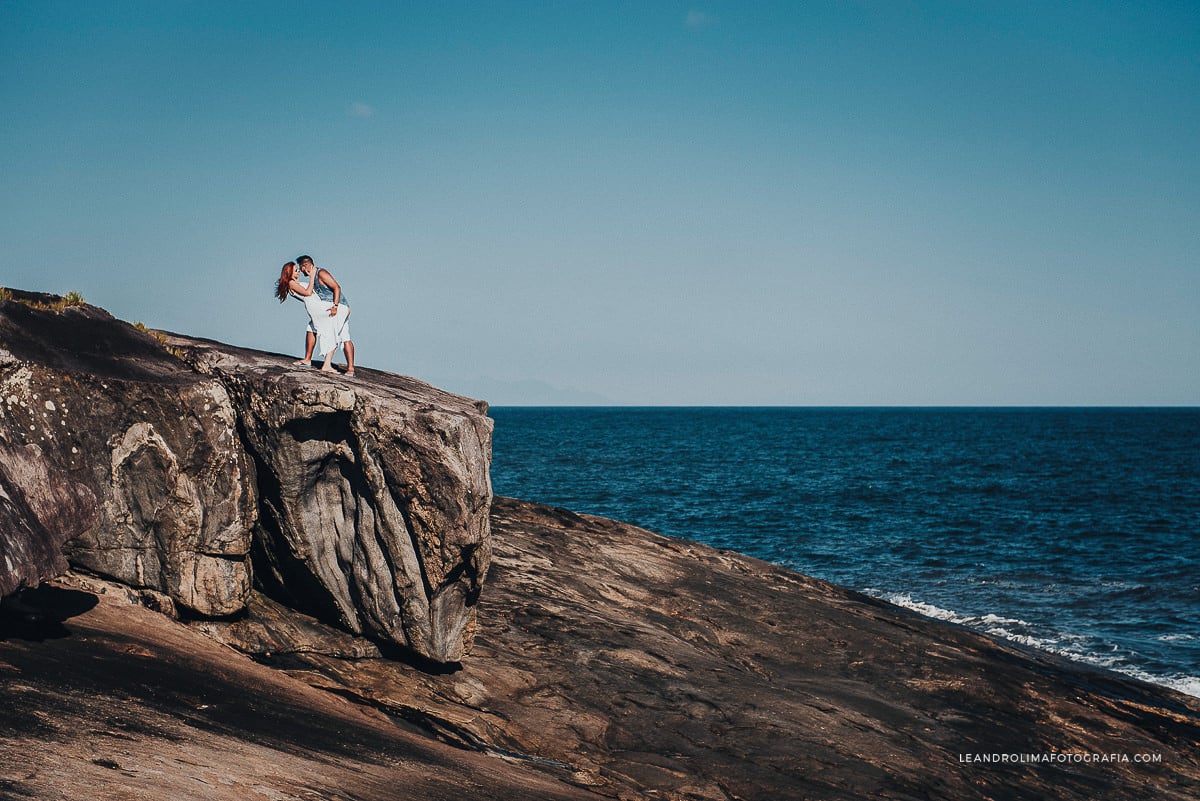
column 39, row 614
column 395, row 653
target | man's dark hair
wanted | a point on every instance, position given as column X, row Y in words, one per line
column 304, row 260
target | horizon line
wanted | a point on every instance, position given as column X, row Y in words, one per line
column 1015, row 406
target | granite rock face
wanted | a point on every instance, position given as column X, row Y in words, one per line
column 374, row 495
column 126, row 449
column 111, row 702
column 40, row 509
column 175, row 467
column 648, row 667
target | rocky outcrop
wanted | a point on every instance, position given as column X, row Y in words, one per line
column 647, row 667
column 610, row 662
column 40, row 509
column 374, row 495
column 111, row 702
column 111, row 440
column 175, row 465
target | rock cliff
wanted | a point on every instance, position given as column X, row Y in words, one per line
column 136, row 451
column 188, row 468
column 40, row 509
column 608, row 661
column 374, row 495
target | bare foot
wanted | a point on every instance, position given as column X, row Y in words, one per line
column 301, row 363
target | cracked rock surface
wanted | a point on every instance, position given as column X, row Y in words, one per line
column 608, row 661
column 111, row 702
column 374, row 495
column 113, row 443
column 191, row 468
column 648, row 667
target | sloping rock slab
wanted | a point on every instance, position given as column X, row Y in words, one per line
column 137, row 450
column 375, row 494
column 111, row 702
column 661, row 667
column 270, row 630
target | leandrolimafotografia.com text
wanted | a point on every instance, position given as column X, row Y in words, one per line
column 1059, row 758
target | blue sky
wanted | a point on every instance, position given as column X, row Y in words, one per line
column 961, row 203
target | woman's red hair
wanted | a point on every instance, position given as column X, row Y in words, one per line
column 285, row 278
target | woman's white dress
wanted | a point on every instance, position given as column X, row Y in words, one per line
column 331, row 331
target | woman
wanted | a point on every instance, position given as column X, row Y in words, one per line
column 328, row 318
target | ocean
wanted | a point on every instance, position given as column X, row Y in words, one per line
column 1075, row 531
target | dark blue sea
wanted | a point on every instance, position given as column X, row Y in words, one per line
column 1076, row 531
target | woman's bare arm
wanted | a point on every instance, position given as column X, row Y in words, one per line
column 299, row 288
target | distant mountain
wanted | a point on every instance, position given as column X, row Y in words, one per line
column 529, row 392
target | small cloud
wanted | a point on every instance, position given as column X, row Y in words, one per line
column 697, row 19
column 362, row 110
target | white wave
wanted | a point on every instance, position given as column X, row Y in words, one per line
column 1188, row 685
column 1055, row 645
column 1003, row 621
column 908, row 602
column 1176, row 637
column 1016, row 636
column 1072, row 646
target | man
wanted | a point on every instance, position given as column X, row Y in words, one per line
column 327, row 289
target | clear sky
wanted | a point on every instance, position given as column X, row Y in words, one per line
column 809, row 203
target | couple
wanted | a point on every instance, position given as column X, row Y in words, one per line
column 328, row 314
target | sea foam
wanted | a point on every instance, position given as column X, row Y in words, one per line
column 1075, row 647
